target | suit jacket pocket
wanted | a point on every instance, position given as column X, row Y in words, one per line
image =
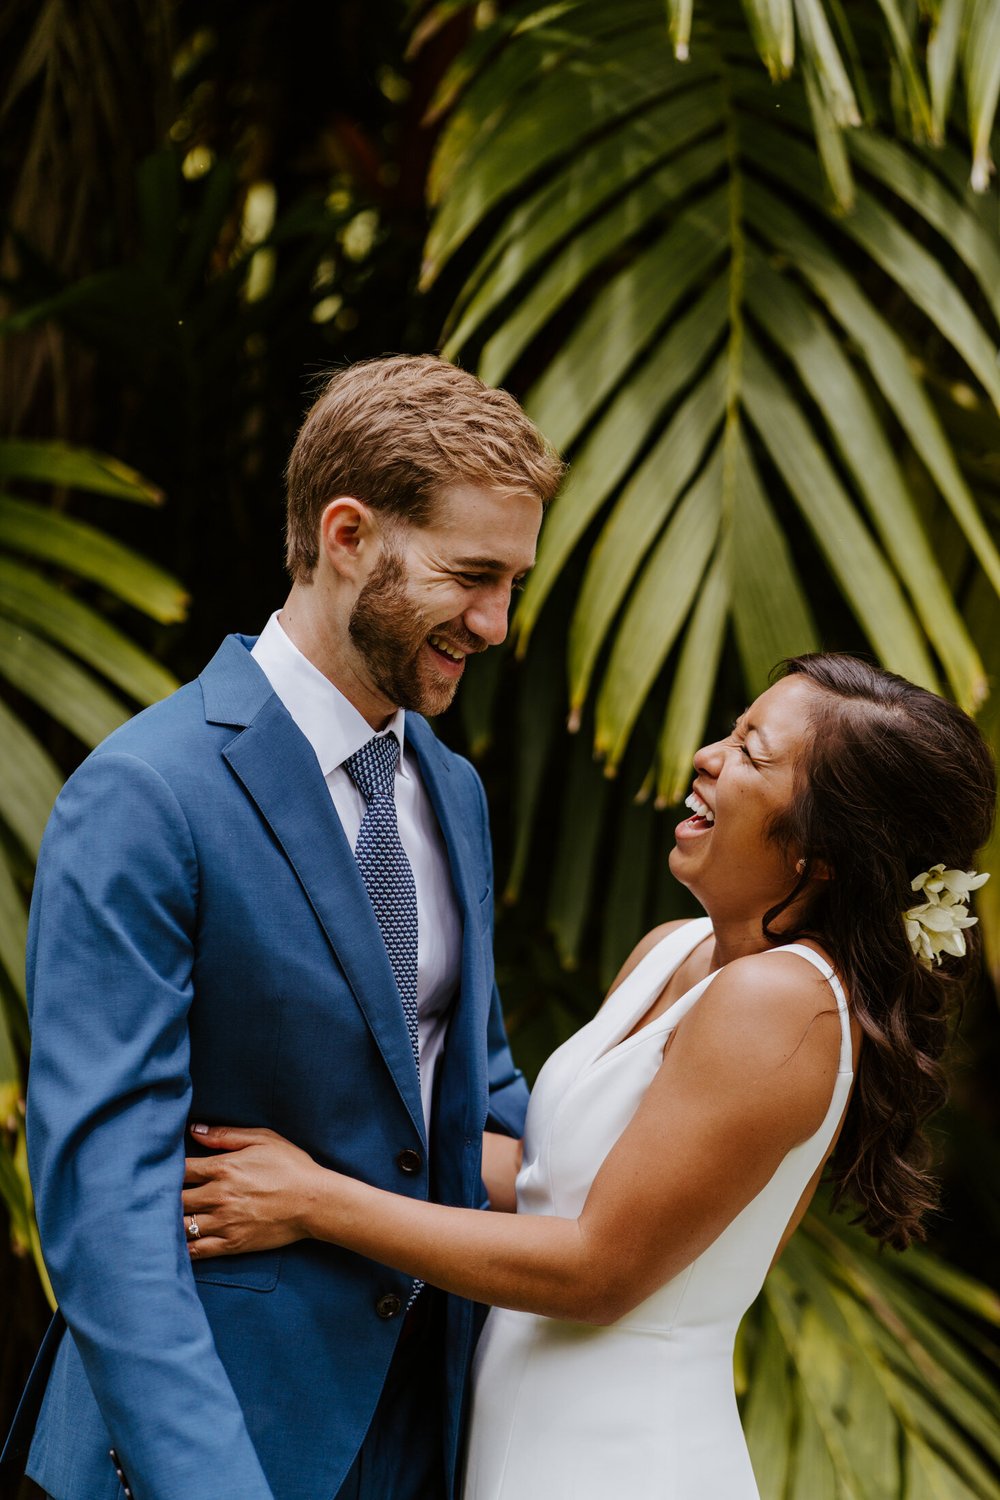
column 256, row 1272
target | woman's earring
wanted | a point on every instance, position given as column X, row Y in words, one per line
column 799, row 866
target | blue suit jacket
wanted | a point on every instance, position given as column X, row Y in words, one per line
column 202, row 947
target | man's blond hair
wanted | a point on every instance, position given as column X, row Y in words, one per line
column 392, row 432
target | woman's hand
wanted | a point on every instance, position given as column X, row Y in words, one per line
column 256, row 1196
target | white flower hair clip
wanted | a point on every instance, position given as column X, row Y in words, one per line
column 936, row 926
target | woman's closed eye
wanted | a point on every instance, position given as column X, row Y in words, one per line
column 741, row 746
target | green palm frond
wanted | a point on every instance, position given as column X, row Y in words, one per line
column 61, row 656
column 730, row 360
column 862, row 1374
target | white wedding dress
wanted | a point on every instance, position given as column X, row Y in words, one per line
column 643, row 1409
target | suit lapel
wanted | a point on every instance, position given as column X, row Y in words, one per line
column 278, row 769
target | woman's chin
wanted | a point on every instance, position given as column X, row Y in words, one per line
column 679, row 863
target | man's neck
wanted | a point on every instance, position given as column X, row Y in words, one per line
column 327, row 644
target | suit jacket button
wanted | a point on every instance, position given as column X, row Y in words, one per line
column 388, row 1305
column 409, row 1161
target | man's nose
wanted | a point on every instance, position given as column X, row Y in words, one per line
column 487, row 616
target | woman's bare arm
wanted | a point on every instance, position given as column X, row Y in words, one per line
column 747, row 1076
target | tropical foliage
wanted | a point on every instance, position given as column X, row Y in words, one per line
column 861, row 1376
column 63, row 662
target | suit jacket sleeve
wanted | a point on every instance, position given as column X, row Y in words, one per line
column 508, row 1090
column 110, row 984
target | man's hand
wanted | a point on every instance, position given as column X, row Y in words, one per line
column 256, row 1196
column 501, row 1164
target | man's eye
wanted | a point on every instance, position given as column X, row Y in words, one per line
column 471, row 578
column 517, row 586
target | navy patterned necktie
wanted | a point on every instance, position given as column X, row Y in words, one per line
column 386, row 870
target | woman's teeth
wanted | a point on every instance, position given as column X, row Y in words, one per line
column 699, row 808
column 445, row 649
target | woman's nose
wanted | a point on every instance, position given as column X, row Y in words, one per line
column 709, row 757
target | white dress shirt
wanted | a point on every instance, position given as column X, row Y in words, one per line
column 335, row 729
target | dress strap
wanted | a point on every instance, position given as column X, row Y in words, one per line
column 846, row 1064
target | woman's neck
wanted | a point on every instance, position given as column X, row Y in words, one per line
column 739, row 936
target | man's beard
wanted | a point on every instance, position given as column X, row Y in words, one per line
column 389, row 633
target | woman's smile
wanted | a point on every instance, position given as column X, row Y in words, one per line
column 702, row 818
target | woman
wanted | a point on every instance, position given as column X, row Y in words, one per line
column 674, row 1143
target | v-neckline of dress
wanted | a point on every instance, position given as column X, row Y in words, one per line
column 655, row 980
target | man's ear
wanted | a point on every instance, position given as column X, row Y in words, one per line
column 347, row 531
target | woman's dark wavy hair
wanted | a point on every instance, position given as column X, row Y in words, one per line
column 896, row 780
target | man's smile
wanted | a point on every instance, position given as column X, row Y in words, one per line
column 441, row 646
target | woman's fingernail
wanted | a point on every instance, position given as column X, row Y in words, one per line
column 199, row 1130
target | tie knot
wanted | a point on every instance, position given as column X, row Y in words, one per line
column 373, row 767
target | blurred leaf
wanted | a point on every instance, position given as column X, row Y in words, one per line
column 480, row 682
column 89, row 553
column 982, row 83
column 539, row 716
column 611, row 447
column 30, row 598
column 71, row 695
column 29, row 785
column 772, row 26
column 886, row 358
column 638, row 517
column 693, row 684
column 942, row 59
column 767, row 1418
column 657, row 610
column 578, row 846
column 851, row 555
column 771, row 616
column 51, row 462
column 638, row 840
column 827, row 374
column 13, row 935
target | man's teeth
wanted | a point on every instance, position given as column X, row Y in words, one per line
column 699, row 808
column 445, row 649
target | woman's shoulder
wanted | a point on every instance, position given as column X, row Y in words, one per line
column 776, row 1003
column 766, row 1025
column 769, row 980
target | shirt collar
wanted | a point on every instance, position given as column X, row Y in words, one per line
column 330, row 722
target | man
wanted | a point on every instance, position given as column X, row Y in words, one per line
column 267, row 900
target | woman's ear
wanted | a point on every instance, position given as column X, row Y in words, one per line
column 818, row 869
